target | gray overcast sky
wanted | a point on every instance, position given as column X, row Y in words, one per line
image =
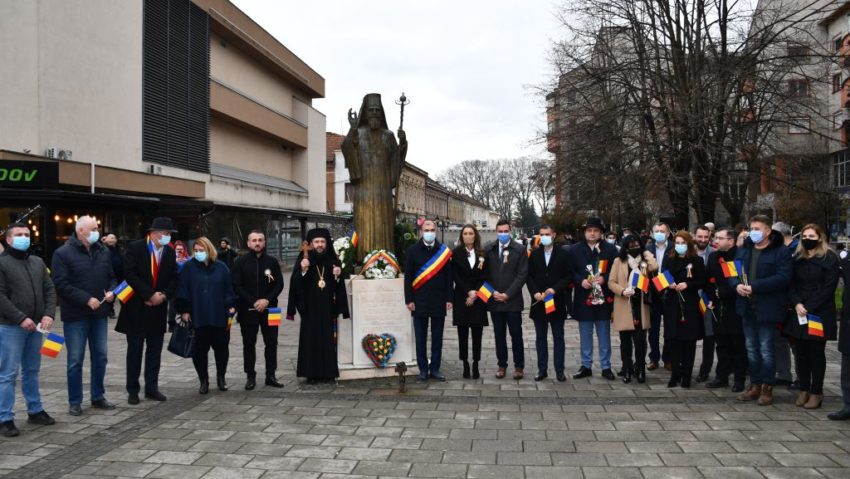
column 464, row 64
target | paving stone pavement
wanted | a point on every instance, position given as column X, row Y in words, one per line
column 589, row 428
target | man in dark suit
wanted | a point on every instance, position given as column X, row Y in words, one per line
column 508, row 271
column 150, row 268
column 548, row 274
column 428, row 293
column 660, row 248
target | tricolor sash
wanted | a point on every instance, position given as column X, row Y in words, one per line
column 432, row 267
column 154, row 262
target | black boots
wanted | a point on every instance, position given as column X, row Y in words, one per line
column 252, row 381
column 475, row 373
column 271, row 380
column 640, row 373
column 466, row 374
column 220, row 382
column 205, row 386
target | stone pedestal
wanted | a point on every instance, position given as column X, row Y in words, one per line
column 377, row 306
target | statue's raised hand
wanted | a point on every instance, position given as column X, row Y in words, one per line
column 352, row 118
column 402, row 136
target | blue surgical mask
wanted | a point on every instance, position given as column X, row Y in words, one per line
column 757, row 236
column 93, row 237
column 681, row 249
column 429, row 236
column 546, row 240
column 164, row 240
column 659, row 237
column 21, row 243
column 201, row 256
column 503, row 237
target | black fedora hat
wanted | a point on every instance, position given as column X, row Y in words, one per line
column 594, row 222
column 162, row 224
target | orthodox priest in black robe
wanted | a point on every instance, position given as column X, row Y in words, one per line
column 320, row 299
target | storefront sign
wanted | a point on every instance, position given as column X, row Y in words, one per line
column 28, row 174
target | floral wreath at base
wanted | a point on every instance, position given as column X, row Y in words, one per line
column 380, row 264
column 379, row 348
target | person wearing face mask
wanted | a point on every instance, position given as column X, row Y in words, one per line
column 508, row 263
column 843, row 414
column 204, row 298
column 631, row 305
column 812, row 295
column 150, row 268
column 84, row 279
column 27, row 301
column 548, row 274
column 469, row 271
column 683, row 321
column 762, row 290
column 428, row 295
column 660, row 250
column 611, row 238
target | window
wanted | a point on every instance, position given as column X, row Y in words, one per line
column 798, row 88
column 800, row 126
column 840, row 169
column 798, row 51
column 838, row 43
column 836, row 83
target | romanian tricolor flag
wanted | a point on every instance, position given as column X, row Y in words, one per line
column 154, row 262
column 274, row 317
column 549, row 302
column 815, row 325
column 123, row 292
column 432, row 267
column 703, row 303
column 602, row 268
column 485, row 291
column 382, row 255
column 731, row 269
column 640, row 282
column 231, row 318
column 52, row 345
column 354, row 239
column 662, row 281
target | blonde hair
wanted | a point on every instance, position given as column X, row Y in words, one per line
column 212, row 254
column 818, row 251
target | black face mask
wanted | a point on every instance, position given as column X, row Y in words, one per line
column 634, row 251
column 809, row 244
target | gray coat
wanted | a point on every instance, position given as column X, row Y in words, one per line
column 26, row 290
column 508, row 278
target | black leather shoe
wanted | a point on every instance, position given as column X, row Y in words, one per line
column 155, row 396
column 738, row 388
column 640, row 374
column 41, row 418
column 608, row 374
column 841, row 415
column 75, row 410
column 475, row 373
column 438, row 376
column 8, row 429
column 133, row 399
column 466, row 373
column 205, row 386
column 272, row 381
column 701, row 378
column 621, row 372
column 221, row 383
column 103, row 404
column 541, row 376
column 583, row 372
column 686, row 382
column 674, row 381
column 560, row 376
column 717, row 383
column 251, row 383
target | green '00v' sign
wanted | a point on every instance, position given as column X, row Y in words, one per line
column 28, row 174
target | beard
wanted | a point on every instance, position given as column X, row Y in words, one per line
column 374, row 123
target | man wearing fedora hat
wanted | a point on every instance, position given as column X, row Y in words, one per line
column 591, row 263
column 150, row 268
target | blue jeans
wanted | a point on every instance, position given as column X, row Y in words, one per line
column 420, row 329
column 603, row 334
column 19, row 349
column 760, row 338
column 77, row 334
column 502, row 323
column 541, row 327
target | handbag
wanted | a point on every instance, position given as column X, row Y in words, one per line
column 182, row 342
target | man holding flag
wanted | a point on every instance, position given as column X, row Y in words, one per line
column 428, row 293
column 84, row 279
column 27, row 299
column 548, row 276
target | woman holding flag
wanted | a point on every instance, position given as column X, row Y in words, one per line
column 206, row 300
column 683, row 317
column 812, row 296
column 471, row 293
column 629, row 281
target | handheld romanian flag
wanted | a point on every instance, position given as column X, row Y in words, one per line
column 123, row 292
column 662, row 281
column 815, row 325
column 274, row 317
column 731, row 269
column 52, row 345
column 485, row 292
column 354, row 239
column 231, row 318
column 703, row 303
column 602, row 268
column 640, row 282
column 549, row 302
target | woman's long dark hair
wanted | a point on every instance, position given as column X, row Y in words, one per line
column 476, row 244
column 624, row 246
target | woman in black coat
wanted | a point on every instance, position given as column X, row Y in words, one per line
column 683, row 321
column 812, row 293
column 469, row 312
